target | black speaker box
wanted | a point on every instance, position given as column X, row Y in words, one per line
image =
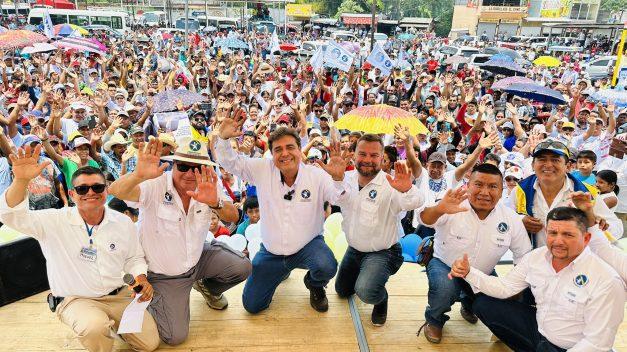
column 22, row 270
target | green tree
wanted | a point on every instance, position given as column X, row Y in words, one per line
column 614, row 6
column 349, row 6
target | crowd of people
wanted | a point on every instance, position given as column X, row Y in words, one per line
column 110, row 181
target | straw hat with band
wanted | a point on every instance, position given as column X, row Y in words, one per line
column 115, row 140
column 191, row 151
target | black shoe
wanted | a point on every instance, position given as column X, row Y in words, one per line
column 468, row 315
column 317, row 296
column 379, row 313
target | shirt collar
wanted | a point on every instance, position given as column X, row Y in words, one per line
column 76, row 218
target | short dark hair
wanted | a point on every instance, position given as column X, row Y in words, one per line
column 282, row 132
column 391, row 152
column 87, row 170
column 120, row 206
column 587, row 154
column 487, row 169
column 251, row 203
column 369, row 137
column 492, row 156
column 568, row 213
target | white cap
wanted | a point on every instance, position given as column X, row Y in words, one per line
column 539, row 128
column 314, row 153
column 79, row 141
column 315, row 131
column 77, row 105
column 514, row 171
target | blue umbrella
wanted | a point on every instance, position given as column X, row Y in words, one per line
column 167, row 100
column 501, row 57
column 536, row 92
column 232, row 43
column 617, row 96
column 503, row 67
column 406, row 36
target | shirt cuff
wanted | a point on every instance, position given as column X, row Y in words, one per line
column 5, row 208
column 473, row 277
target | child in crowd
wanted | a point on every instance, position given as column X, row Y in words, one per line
column 251, row 209
column 586, row 160
column 216, row 227
column 606, row 183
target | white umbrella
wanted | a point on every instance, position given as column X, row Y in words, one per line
column 38, row 48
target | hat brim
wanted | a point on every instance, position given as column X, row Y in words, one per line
column 188, row 160
column 107, row 146
column 554, row 151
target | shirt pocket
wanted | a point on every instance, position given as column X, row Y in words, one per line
column 168, row 221
column 572, row 302
column 368, row 214
column 459, row 236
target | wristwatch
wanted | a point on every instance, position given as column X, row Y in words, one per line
column 219, row 206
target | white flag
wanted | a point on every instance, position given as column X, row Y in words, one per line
column 336, row 56
column 380, row 59
column 48, row 31
column 275, row 42
column 317, row 60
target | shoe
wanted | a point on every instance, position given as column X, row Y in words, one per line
column 317, row 296
column 468, row 315
column 433, row 333
column 215, row 302
column 379, row 313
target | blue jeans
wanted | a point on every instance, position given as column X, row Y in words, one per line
column 444, row 292
column 270, row 269
column 366, row 273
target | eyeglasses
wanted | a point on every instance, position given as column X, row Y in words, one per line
column 187, row 167
column 84, row 189
column 317, row 110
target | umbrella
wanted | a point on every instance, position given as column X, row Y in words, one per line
column 454, row 60
column 2, row 29
column 288, row 47
column 406, row 36
column 167, row 36
column 501, row 57
column 66, row 29
column 380, row 118
column 38, row 48
column 506, row 82
column 618, row 97
column 232, row 43
column 548, row 61
column 20, row 38
column 167, row 100
column 81, row 44
column 503, row 67
column 536, row 92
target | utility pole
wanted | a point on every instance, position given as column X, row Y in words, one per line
column 186, row 24
column 372, row 24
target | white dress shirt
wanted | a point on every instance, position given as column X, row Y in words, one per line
column 371, row 215
column 286, row 226
column 62, row 234
column 485, row 241
column 172, row 239
column 578, row 308
column 541, row 209
column 612, row 255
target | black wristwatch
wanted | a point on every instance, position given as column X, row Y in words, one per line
column 219, row 206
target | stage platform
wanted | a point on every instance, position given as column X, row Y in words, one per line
column 290, row 324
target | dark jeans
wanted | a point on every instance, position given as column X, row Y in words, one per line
column 366, row 273
column 270, row 269
column 514, row 323
column 425, row 231
column 444, row 292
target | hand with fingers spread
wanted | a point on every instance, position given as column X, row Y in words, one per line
column 460, row 268
column 26, row 165
column 402, row 177
column 450, row 203
column 337, row 163
column 489, row 141
column 231, row 126
column 206, row 186
column 148, row 159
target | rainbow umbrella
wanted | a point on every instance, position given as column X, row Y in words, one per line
column 20, row 38
column 380, row 118
column 67, row 29
column 81, row 44
column 548, row 61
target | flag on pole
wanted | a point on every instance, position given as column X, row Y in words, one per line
column 380, row 59
column 336, row 56
column 317, row 60
column 275, row 42
column 48, row 31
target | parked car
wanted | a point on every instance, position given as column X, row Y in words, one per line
column 465, row 51
column 602, row 66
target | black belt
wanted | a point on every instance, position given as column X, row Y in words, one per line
column 54, row 301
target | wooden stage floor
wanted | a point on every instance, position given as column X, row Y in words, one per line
column 290, row 324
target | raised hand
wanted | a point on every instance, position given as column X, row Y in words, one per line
column 460, row 268
column 450, row 203
column 231, row 126
column 26, row 164
column 148, row 157
column 488, row 141
column 23, row 99
column 402, row 177
column 337, row 163
column 206, row 186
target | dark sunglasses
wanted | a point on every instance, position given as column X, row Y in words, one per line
column 83, row 189
column 186, row 167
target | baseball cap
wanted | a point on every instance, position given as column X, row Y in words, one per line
column 79, row 141
column 515, row 172
column 314, row 153
column 78, row 105
column 508, row 124
column 553, row 146
column 437, row 157
column 30, row 138
column 136, row 129
column 83, row 123
column 284, row 119
column 314, row 131
column 568, row 124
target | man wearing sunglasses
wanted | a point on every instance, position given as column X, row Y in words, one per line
column 175, row 210
column 87, row 247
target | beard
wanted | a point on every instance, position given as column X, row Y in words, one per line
column 368, row 169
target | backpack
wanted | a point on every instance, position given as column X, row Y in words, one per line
column 425, row 251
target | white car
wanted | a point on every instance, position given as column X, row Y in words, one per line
column 341, row 36
column 465, row 51
column 602, row 66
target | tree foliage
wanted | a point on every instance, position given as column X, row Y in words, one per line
column 349, row 6
column 614, row 6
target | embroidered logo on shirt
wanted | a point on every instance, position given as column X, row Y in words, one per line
column 194, row 146
column 305, row 194
column 502, row 228
column 581, row 280
column 167, row 197
column 372, row 194
column 112, row 247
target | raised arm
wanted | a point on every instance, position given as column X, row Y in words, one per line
column 450, row 204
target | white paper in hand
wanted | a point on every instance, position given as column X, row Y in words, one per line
column 133, row 317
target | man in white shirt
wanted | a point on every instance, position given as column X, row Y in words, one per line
column 477, row 224
column 370, row 208
column 579, row 298
column 174, row 217
column 87, row 249
column 291, row 202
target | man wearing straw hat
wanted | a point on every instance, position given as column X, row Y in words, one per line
column 175, row 212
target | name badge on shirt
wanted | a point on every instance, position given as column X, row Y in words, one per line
column 88, row 254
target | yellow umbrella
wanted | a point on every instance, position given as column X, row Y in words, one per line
column 548, row 61
column 380, row 118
